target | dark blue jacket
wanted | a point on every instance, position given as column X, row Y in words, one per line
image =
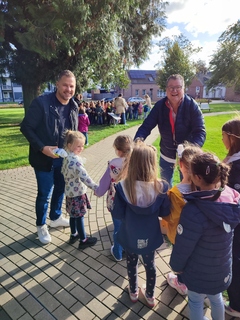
column 234, row 182
column 189, row 125
column 203, row 248
column 41, row 128
column 140, row 231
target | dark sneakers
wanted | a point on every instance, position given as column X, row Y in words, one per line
column 73, row 238
column 91, row 241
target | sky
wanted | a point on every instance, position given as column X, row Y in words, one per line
column 201, row 21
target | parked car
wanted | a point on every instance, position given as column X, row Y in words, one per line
column 136, row 99
column 108, row 99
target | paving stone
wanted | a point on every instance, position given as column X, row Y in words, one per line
column 58, row 281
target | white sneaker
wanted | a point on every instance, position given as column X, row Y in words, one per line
column 43, row 234
column 60, row 222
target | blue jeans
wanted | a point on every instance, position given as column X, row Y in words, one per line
column 117, row 248
column 167, row 170
column 196, row 302
column 50, row 185
column 77, row 224
column 86, row 136
column 123, row 118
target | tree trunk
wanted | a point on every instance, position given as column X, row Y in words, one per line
column 30, row 92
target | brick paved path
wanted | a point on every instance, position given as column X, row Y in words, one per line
column 57, row 281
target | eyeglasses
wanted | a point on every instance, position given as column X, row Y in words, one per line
column 177, row 88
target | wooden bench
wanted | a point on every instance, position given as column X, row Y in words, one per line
column 204, row 106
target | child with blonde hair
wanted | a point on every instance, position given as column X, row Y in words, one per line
column 76, row 182
column 231, row 140
column 123, row 147
column 139, row 200
column 202, row 253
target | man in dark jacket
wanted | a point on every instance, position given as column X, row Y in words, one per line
column 179, row 119
column 43, row 125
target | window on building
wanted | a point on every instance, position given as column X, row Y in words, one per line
column 151, row 79
column 144, row 92
column 160, row 93
column 136, row 92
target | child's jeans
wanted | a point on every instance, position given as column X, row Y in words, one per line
column 77, row 225
column 150, row 268
column 196, row 302
column 117, row 248
column 86, row 136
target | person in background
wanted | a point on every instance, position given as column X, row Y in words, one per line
column 148, row 101
column 120, row 105
column 139, row 201
column 123, row 147
column 231, row 140
column 202, row 253
column 108, row 110
column 140, row 111
column 179, row 119
column 83, row 122
column 135, row 110
column 78, row 98
column 43, row 126
column 77, row 180
column 99, row 112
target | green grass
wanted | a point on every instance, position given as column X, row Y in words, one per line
column 14, row 146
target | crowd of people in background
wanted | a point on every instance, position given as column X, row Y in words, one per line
column 99, row 111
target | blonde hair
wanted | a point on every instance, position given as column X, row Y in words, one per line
column 190, row 150
column 142, row 166
column 66, row 73
column 71, row 136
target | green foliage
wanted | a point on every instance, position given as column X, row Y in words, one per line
column 225, row 63
column 200, row 66
column 176, row 59
column 94, row 39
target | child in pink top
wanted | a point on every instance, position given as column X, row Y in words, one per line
column 123, row 148
column 83, row 122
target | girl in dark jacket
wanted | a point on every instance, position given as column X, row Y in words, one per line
column 139, row 200
column 231, row 140
column 202, row 253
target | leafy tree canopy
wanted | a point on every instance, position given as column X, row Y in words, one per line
column 176, row 59
column 93, row 38
column 225, row 62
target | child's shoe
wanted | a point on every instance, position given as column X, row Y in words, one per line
column 112, row 253
column 133, row 296
column 172, row 280
column 230, row 311
column 150, row 300
column 73, row 238
column 91, row 241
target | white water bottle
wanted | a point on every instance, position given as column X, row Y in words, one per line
column 180, row 149
column 59, row 152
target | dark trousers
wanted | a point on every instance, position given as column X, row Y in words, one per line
column 77, row 224
column 150, row 268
